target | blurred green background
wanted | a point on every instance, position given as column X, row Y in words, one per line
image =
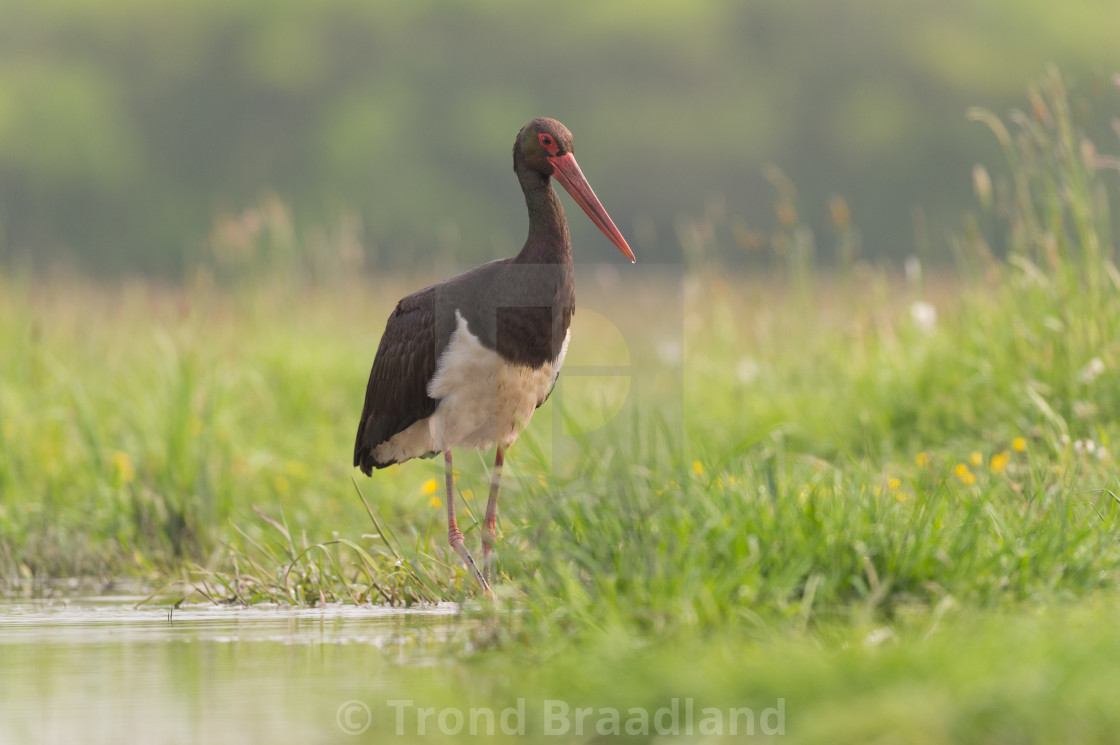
column 129, row 129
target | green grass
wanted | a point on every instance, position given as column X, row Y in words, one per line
column 898, row 528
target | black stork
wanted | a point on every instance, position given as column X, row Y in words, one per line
column 465, row 362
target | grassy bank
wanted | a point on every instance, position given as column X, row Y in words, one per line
column 891, row 500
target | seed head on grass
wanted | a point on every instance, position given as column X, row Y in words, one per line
column 839, row 212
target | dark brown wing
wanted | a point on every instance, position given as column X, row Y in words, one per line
column 397, row 393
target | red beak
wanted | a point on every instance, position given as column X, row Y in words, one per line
column 566, row 171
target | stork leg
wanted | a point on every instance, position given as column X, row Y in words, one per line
column 454, row 535
column 489, row 534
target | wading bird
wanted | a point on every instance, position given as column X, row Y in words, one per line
column 465, row 362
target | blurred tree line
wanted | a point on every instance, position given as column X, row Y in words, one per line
column 132, row 132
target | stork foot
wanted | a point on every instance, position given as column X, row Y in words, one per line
column 455, row 538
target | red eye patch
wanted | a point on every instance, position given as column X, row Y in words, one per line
column 548, row 142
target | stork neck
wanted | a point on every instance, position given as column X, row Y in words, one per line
column 548, row 241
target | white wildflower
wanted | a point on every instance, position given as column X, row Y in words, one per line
column 1091, row 371
column 879, row 636
column 1084, row 409
column 747, row 370
column 924, row 316
column 1084, row 446
column 670, row 351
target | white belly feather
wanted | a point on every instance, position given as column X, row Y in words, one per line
column 483, row 400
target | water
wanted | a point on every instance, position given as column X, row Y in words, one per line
column 99, row 670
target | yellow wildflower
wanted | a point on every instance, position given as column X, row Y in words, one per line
column 698, row 467
column 126, row 474
column 966, row 476
column 281, row 484
column 468, row 494
column 435, row 502
column 976, row 459
column 922, row 459
column 1000, row 461
column 894, row 482
column 430, row 486
column 1019, row 444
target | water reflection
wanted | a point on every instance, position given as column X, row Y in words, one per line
column 99, row 670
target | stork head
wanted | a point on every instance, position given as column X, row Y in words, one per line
column 545, row 145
